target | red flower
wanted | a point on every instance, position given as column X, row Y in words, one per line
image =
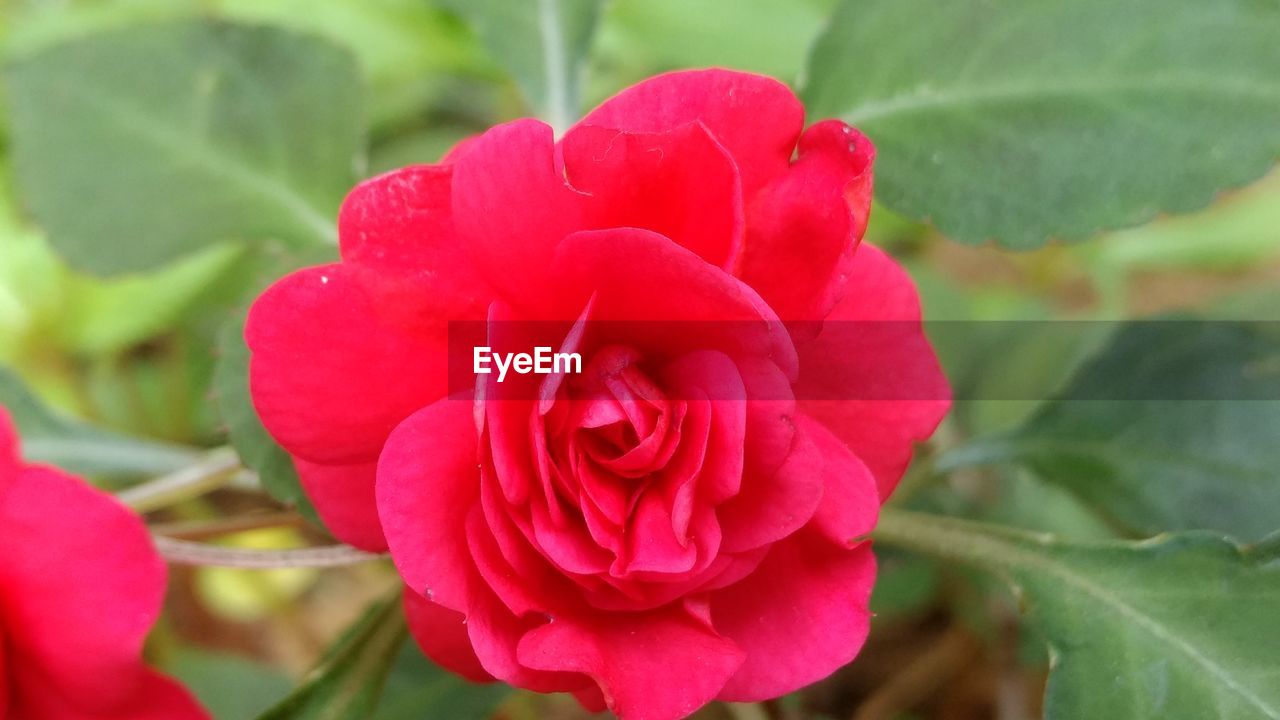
column 80, row 586
column 680, row 522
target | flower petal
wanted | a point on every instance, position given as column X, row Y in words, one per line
column 8, row 450
column 799, row 617
column 659, row 665
column 154, row 697
column 325, row 342
column 771, row 506
column 715, row 377
column 592, row 699
column 652, row 543
column 568, row 544
column 5, row 672
column 344, row 498
column 644, row 278
column 804, row 226
column 850, row 500
column 401, row 223
column 680, row 183
column 511, row 205
column 521, row 579
column 496, row 633
column 427, row 479
column 441, row 633
column 871, row 376
column 756, row 118
column 82, row 586
column 162, row 698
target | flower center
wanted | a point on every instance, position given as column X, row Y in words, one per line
column 626, row 425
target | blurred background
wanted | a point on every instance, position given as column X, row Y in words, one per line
column 145, row 348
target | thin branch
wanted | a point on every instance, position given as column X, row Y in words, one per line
column 206, row 529
column 952, row 653
column 185, row 552
column 214, row 470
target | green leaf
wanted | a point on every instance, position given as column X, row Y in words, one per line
column 1172, row 628
column 1242, row 229
column 229, row 687
column 348, row 682
column 1170, row 427
column 396, row 41
column 80, row 448
column 1001, row 371
column 102, row 316
column 257, row 450
column 1025, row 121
column 542, row 43
column 417, row 689
column 134, row 147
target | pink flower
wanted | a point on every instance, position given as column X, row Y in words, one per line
column 80, row 587
column 684, row 519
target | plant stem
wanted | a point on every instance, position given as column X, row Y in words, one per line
column 966, row 541
column 942, row 537
column 561, row 95
column 213, row 471
column 185, row 552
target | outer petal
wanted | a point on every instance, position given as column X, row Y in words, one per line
column 340, row 356
column 401, row 223
column 82, row 585
column 344, row 498
column 638, row 275
column 803, row 227
column 660, row 665
column 5, row 673
column 442, row 635
column 427, row 480
column 398, row 218
column 756, row 118
column 681, row 184
column 496, row 634
column 155, row 697
column 871, row 376
column 850, row 500
column 801, row 615
column 161, row 698
column 592, row 699
column 511, row 206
